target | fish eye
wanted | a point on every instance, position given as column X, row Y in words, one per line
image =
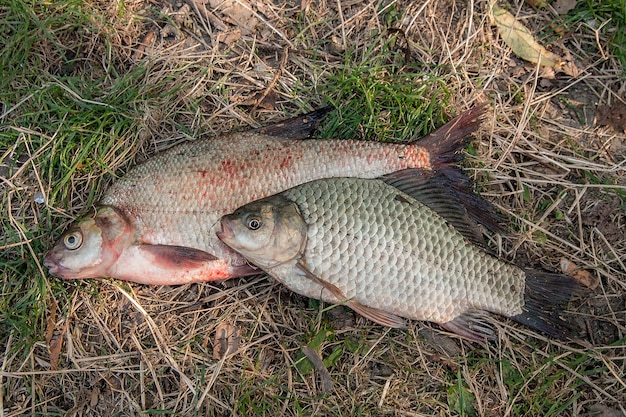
column 253, row 223
column 73, row 240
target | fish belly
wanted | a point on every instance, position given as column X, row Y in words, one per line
column 386, row 250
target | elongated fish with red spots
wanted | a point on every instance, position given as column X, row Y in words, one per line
column 157, row 224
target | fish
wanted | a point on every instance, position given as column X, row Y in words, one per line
column 395, row 248
column 157, row 223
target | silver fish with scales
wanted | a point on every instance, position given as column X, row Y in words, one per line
column 389, row 256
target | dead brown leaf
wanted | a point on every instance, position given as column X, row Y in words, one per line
column 264, row 99
column 521, row 41
column 144, row 43
column 238, row 13
column 524, row 45
column 567, row 65
column 113, row 384
column 55, row 346
column 584, row 277
column 51, row 320
column 547, row 73
column 230, row 37
column 54, row 336
column 318, row 364
column 226, row 340
column 613, row 115
column 569, row 68
column 95, row 397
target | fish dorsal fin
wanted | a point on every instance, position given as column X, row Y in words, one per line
column 473, row 325
column 454, row 184
column 298, row 127
column 173, row 257
column 431, row 190
column 376, row 315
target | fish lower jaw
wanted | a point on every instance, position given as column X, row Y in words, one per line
column 57, row 270
column 68, row 274
column 53, row 269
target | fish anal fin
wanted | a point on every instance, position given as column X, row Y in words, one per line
column 376, row 315
column 172, row 257
column 472, row 325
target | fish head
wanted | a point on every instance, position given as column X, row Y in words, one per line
column 267, row 232
column 91, row 246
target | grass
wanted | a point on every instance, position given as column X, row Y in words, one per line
column 63, row 131
column 82, row 101
column 608, row 18
column 384, row 98
column 375, row 104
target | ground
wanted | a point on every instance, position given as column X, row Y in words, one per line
column 92, row 88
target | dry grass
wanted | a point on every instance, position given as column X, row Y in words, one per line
column 128, row 349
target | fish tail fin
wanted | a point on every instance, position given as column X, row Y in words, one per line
column 445, row 143
column 298, row 127
column 544, row 296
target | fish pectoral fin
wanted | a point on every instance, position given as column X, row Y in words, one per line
column 310, row 275
column 172, row 257
column 376, row 315
column 472, row 325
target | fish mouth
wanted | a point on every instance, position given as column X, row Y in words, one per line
column 226, row 234
column 54, row 268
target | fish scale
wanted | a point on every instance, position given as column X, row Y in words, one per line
column 406, row 253
column 387, row 255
